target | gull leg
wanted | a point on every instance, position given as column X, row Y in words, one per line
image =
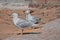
column 22, row 32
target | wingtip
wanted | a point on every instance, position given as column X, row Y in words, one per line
column 39, row 18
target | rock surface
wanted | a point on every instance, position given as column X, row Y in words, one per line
column 51, row 31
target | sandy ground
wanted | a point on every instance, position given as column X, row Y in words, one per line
column 8, row 29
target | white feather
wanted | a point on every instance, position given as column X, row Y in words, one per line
column 31, row 18
column 20, row 23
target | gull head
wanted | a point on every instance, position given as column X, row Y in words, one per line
column 28, row 11
column 14, row 15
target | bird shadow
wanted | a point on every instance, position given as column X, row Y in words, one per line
column 32, row 33
column 29, row 33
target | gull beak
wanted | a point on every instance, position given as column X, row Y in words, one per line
column 10, row 15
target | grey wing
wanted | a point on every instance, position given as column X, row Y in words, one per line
column 24, row 24
column 36, row 20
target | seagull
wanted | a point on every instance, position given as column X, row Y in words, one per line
column 31, row 18
column 20, row 23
